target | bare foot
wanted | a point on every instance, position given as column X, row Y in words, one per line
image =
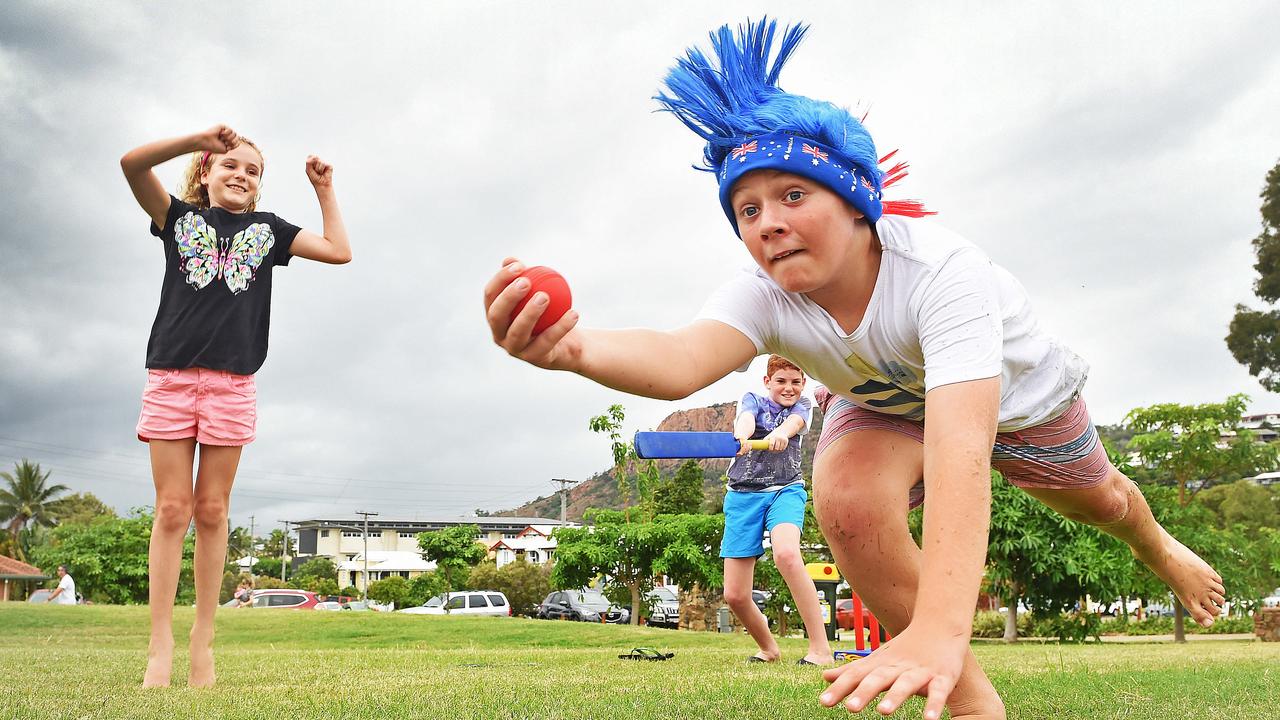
column 202, row 673
column 767, row 656
column 159, row 663
column 822, row 659
column 1198, row 587
column 989, row 708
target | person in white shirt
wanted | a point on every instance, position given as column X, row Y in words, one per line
column 935, row 367
column 65, row 593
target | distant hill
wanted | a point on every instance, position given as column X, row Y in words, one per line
column 601, row 489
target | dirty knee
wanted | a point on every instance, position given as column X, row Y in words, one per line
column 1111, row 508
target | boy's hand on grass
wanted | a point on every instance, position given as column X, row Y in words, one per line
column 917, row 662
column 549, row 349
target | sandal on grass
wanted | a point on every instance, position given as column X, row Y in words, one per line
column 646, row 653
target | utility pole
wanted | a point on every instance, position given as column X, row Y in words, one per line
column 284, row 553
column 366, row 552
column 564, row 494
column 253, row 551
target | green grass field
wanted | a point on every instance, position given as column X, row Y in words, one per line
column 87, row 662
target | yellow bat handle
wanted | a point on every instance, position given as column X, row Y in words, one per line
column 756, row 444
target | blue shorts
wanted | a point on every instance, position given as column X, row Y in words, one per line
column 748, row 514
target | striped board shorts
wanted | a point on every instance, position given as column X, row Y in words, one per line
column 1064, row 453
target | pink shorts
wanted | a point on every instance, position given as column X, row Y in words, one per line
column 1064, row 453
column 215, row 407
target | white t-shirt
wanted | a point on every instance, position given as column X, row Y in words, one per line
column 941, row 313
column 68, row 594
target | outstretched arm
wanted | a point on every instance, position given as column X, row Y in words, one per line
column 137, row 165
column 668, row 365
column 927, row 657
column 332, row 246
column 782, row 434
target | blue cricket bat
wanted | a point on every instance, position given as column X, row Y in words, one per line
column 664, row 445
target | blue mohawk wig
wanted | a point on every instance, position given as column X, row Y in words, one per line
column 749, row 123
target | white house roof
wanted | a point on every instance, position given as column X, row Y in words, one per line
column 526, row 542
column 246, row 562
column 388, row 561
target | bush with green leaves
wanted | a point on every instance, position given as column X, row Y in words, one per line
column 389, row 590
column 321, row 567
column 423, row 587
column 108, row 558
column 525, row 584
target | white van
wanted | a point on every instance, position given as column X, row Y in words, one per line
column 465, row 602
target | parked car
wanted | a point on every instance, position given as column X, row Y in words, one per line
column 491, row 603
column 357, row 605
column 329, row 605
column 664, row 609
column 845, row 617
column 42, row 596
column 582, row 605
column 285, row 599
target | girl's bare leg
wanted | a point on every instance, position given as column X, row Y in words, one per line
column 171, row 463
column 212, row 498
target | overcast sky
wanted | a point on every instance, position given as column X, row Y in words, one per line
column 1109, row 154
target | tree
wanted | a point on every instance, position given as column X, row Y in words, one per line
column 1189, row 444
column 82, row 508
column 240, row 544
column 26, row 498
column 454, row 550
column 1254, row 336
column 318, row 585
column 321, row 567
column 1186, row 443
column 613, row 547
column 611, row 424
column 681, row 494
column 1253, row 507
column 423, row 587
column 268, row 567
column 525, row 584
column 108, row 558
column 1038, row 556
column 273, row 545
column 392, row 590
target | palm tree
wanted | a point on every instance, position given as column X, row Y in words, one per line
column 26, row 500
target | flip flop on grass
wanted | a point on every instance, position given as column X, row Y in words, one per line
column 646, row 653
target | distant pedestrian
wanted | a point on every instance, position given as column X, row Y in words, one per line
column 244, row 594
column 65, row 593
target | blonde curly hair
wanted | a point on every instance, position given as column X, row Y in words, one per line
column 197, row 193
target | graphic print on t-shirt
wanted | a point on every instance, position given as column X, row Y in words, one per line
column 206, row 257
column 879, row 393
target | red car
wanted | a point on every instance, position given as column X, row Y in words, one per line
column 844, row 615
column 285, row 599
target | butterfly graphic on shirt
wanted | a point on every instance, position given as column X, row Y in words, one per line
column 207, row 257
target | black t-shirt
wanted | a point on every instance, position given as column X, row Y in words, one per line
column 215, row 304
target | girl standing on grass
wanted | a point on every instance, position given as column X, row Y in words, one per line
column 208, row 339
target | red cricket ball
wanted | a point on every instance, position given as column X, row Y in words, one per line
column 544, row 279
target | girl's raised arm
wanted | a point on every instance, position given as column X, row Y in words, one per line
column 332, row 245
column 138, row 162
